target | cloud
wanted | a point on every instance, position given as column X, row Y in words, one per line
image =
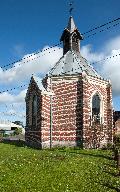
column 113, row 44
column 87, row 53
column 13, row 106
column 9, row 112
column 109, row 68
column 41, row 63
column 14, row 113
column 20, row 98
column 18, row 50
column 19, row 73
column 29, row 65
column 6, row 98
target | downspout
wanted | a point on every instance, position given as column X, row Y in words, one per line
column 51, row 114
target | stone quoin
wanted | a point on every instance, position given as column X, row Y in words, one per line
column 73, row 105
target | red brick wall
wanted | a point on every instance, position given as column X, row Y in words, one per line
column 45, row 113
column 94, row 134
column 71, row 111
column 32, row 133
column 66, row 128
column 38, row 135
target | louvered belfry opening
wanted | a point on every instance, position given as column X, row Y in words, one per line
column 71, row 37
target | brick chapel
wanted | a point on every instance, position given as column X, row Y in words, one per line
column 73, row 107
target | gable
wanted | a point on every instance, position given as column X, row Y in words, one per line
column 33, row 88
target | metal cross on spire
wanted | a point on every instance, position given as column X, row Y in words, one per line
column 71, row 7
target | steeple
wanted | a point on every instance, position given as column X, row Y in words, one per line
column 71, row 25
column 71, row 37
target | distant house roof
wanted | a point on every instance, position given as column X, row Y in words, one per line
column 72, row 63
column 4, row 125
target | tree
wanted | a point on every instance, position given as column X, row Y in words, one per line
column 2, row 132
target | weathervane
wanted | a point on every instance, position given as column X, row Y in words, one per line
column 71, row 7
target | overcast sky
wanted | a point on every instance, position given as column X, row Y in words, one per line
column 27, row 26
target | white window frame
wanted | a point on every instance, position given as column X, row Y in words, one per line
column 101, row 106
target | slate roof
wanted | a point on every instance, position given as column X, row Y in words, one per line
column 72, row 63
column 38, row 82
column 40, row 86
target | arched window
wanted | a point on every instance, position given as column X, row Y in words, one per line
column 34, row 110
column 96, row 108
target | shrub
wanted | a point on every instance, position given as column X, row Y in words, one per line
column 2, row 132
column 108, row 146
column 17, row 131
column 116, row 140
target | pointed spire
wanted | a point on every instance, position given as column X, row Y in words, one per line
column 71, row 37
column 71, row 24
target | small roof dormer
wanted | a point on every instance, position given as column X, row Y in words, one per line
column 71, row 37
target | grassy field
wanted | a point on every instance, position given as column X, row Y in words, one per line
column 61, row 170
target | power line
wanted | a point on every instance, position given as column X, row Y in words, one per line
column 15, row 114
column 102, row 30
column 6, row 113
column 14, row 88
column 33, row 54
column 21, row 86
column 113, row 56
column 65, row 73
column 37, row 52
column 32, row 59
column 12, row 114
column 49, row 53
column 114, row 20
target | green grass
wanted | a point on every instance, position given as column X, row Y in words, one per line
column 61, row 170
